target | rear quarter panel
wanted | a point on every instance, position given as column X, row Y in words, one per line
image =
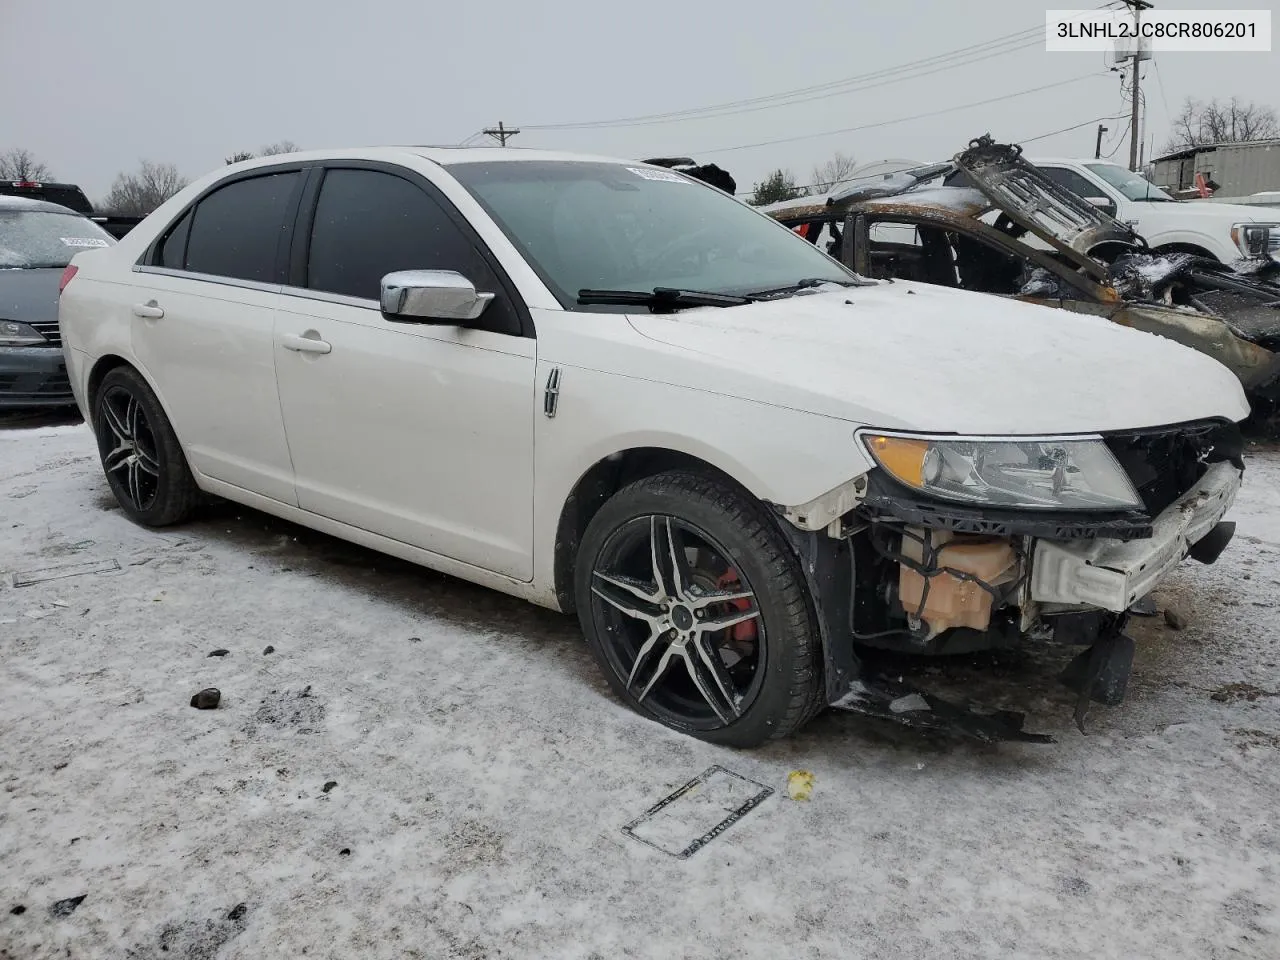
column 94, row 318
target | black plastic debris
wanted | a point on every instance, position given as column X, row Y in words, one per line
column 19, row 910
column 344, row 852
column 1144, row 607
column 207, row 699
column 329, row 785
column 893, row 699
column 219, row 652
column 237, row 911
column 1100, row 674
column 268, row 649
column 65, row 908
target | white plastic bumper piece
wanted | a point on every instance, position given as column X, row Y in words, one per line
column 1111, row 574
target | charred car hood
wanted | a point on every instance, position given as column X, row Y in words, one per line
column 1051, row 212
column 917, row 357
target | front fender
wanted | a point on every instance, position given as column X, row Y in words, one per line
column 781, row 456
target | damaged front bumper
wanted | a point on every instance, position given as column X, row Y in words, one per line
column 902, row 574
column 1113, row 575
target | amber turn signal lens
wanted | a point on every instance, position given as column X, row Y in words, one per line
column 901, row 457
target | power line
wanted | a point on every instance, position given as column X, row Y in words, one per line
column 1054, row 133
column 971, row 54
column 896, row 120
column 959, row 57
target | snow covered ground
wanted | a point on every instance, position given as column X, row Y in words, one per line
column 425, row 769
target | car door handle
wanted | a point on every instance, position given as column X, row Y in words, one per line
column 148, row 311
column 300, row 344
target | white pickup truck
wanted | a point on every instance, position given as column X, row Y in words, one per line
column 1222, row 231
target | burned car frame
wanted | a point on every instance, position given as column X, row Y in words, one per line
column 966, row 223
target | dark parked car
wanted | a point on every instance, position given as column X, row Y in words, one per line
column 70, row 196
column 37, row 242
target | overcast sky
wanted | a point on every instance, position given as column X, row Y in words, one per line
column 91, row 86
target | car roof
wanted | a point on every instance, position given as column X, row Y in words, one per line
column 443, row 155
column 1081, row 160
column 450, row 155
column 32, row 205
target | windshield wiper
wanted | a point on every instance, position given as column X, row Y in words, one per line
column 663, row 298
column 805, row 284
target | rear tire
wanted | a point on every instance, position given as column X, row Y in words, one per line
column 141, row 457
column 695, row 606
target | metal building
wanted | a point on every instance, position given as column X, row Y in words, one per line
column 1236, row 169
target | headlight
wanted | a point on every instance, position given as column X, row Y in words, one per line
column 1044, row 474
column 1256, row 239
column 14, row 334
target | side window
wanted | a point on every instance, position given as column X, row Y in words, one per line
column 1072, row 181
column 172, row 251
column 236, row 230
column 369, row 223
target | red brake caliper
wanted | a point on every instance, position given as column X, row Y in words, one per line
column 743, row 632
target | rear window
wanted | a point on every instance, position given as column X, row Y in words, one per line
column 33, row 238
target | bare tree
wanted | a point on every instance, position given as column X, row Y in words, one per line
column 270, row 150
column 833, row 172
column 280, row 146
column 1217, row 121
column 21, row 164
column 137, row 194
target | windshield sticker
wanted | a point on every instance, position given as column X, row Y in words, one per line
column 666, row 175
column 83, row 241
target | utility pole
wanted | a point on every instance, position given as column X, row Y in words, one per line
column 1137, row 6
column 1097, row 150
column 500, row 133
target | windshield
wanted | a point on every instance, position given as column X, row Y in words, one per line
column 608, row 226
column 37, row 238
column 1133, row 186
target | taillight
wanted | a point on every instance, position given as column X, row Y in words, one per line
column 67, row 274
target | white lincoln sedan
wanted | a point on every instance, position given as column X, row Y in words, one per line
column 613, row 390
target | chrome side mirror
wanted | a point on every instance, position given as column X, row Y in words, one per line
column 431, row 296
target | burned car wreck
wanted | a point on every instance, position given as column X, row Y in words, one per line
column 992, row 223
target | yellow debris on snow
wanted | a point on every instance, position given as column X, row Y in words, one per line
column 799, row 784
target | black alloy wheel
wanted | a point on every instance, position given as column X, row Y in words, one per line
column 141, row 456
column 694, row 606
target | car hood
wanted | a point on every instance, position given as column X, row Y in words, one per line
column 1200, row 211
column 918, row 357
column 30, row 296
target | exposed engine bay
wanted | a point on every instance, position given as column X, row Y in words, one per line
column 931, row 577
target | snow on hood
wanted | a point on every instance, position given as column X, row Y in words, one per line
column 1220, row 212
column 918, row 357
column 966, row 201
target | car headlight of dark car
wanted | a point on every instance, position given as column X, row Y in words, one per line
column 14, row 334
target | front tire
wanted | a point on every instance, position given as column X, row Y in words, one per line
column 695, row 606
column 141, row 456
